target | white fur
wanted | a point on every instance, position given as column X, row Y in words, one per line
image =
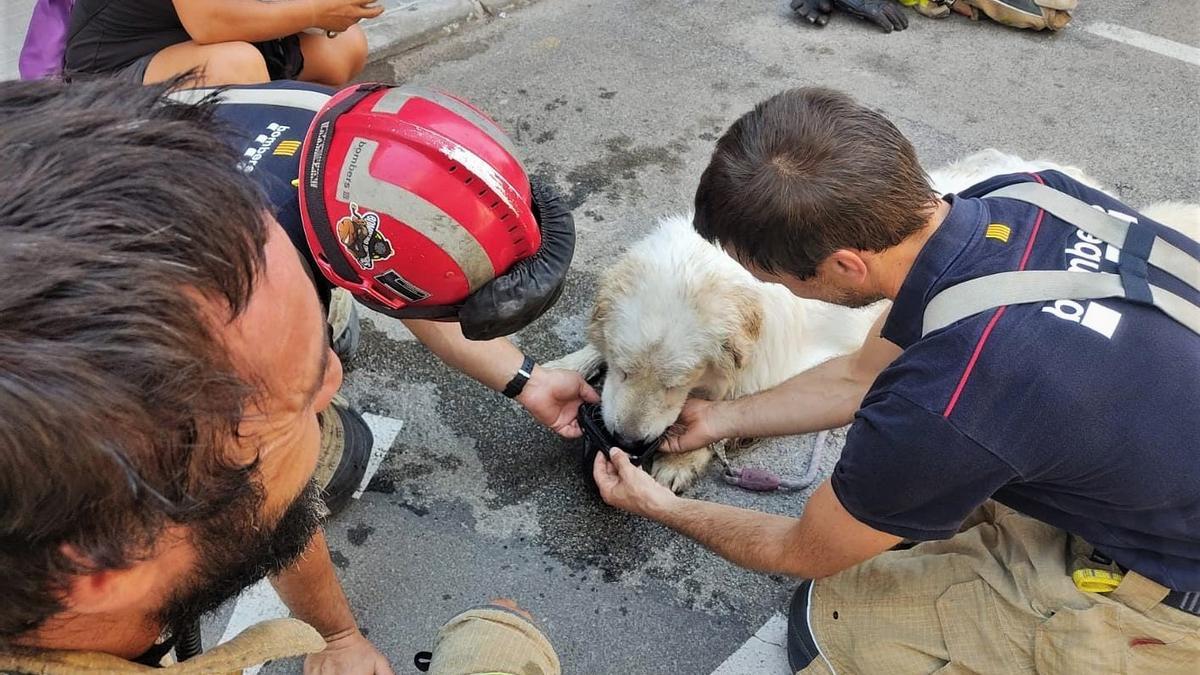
column 673, row 312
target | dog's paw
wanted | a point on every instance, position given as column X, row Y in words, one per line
column 679, row 470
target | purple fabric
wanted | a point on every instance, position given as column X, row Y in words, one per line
column 46, row 39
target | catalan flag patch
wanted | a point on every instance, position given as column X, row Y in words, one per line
column 999, row 232
column 286, row 148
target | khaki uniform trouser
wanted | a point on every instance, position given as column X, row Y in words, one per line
column 997, row 598
column 492, row 641
column 483, row 641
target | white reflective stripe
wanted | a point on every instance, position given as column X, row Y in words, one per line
column 812, row 633
column 1093, row 221
column 1176, row 307
column 395, row 98
column 1014, row 288
column 1174, row 260
column 1193, row 601
column 286, row 98
column 356, row 184
column 1109, row 228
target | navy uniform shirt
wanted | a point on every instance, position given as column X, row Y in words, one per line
column 268, row 138
column 1084, row 415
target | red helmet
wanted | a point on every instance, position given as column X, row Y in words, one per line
column 412, row 199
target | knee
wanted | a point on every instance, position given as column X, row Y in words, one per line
column 356, row 51
column 235, row 63
column 342, row 58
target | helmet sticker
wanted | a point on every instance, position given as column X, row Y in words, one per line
column 359, row 233
column 403, row 287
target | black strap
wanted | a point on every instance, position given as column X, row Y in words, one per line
column 316, row 149
column 517, row 384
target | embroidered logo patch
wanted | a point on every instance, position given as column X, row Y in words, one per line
column 998, row 231
column 286, row 148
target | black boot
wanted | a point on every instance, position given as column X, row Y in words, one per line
column 346, row 443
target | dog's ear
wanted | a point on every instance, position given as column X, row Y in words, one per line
column 745, row 325
column 600, row 313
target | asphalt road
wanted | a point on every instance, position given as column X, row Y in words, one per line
column 618, row 102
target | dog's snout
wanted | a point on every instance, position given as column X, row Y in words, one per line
column 627, row 442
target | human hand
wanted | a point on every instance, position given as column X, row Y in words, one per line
column 627, row 487
column 336, row 16
column 699, row 425
column 348, row 653
column 814, row 11
column 553, row 396
column 883, row 13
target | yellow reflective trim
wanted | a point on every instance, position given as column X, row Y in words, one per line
column 1091, row 580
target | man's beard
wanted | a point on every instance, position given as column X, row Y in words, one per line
column 236, row 550
column 855, row 300
column 845, row 297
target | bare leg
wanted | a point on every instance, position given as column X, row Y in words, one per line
column 220, row 63
column 333, row 61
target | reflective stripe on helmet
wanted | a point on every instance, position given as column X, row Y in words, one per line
column 394, row 99
column 358, row 185
column 302, row 99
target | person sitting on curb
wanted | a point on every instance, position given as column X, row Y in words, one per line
column 1026, row 409
column 230, row 41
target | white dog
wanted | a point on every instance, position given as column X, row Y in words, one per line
column 677, row 317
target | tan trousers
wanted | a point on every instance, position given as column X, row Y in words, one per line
column 492, row 641
column 997, row 598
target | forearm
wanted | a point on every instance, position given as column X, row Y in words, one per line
column 824, row 397
column 750, row 539
column 491, row 362
column 311, row 590
column 210, row 21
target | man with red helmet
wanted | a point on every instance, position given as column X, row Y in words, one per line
column 415, row 203
column 179, row 330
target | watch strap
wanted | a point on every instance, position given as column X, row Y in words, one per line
column 517, row 384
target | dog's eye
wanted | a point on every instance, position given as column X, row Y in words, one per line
column 620, row 374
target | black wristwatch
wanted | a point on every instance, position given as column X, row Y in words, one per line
column 517, row 384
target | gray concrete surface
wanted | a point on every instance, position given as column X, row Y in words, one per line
column 618, row 103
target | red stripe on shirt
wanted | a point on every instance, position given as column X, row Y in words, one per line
column 962, row 381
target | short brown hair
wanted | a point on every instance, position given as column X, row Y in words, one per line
column 807, row 172
column 118, row 400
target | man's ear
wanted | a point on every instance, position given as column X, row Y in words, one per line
column 845, row 268
column 141, row 584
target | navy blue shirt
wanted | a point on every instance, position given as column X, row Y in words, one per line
column 1084, row 415
column 268, row 139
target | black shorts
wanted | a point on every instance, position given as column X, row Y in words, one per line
column 283, row 56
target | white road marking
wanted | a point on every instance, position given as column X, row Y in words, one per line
column 1151, row 43
column 257, row 603
column 385, row 430
column 764, row 653
column 260, row 602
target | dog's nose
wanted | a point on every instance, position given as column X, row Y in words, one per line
column 628, row 442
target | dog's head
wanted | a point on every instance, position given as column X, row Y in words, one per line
column 671, row 318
